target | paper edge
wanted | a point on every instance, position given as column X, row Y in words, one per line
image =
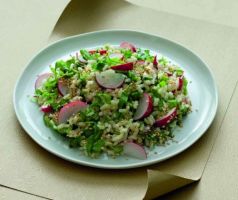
column 169, row 183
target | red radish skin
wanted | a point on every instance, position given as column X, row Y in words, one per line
column 140, row 62
column 109, row 79
column 145, row 107
column 63, row 87
column 46, row 109
column 127, row 45
column 155, row 62
column 163, row 121
column 134, row 150
column 92, row 51
column 169, row 74
column 41, row 79
column 179, row 83
column 102, row 52
column 70, row 109
column 124, row 67
column 150, row 106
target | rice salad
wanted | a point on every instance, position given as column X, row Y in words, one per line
column 114, row 99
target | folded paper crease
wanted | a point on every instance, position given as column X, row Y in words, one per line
column 160, row 183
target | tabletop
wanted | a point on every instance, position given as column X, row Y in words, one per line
column 219, row 180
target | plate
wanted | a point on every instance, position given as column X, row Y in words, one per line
column 202, row 91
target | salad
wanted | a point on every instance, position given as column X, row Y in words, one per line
column 114, row 99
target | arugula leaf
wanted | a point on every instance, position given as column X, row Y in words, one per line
column 92, row 140
column 98, row 66
column 101, row 98
column 75, row 142
column 89, row 145
column 117, row 149
column 127, row 53
column 135, row 95
column 97, row 146
column 113, row 61
column 184, row 88
column 162, row 83
column 179, row 72
column 172, row 103
column 132, row 76
column 86, row 55
column 163, row 61
column 123, row 99
column 144, row 55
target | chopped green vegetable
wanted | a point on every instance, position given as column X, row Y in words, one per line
column 75, row 142
column 163, row 61
column 86, row 55
column 172, row 103
column 123, row 99
column 162, row 83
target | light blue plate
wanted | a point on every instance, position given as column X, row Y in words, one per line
column 202, row 91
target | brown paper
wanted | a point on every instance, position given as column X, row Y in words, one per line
column 8, row 194
column 161, row 183
column 41, row 173
column 217, row 11
column 191, row 163
column 219, row 180
column 221, row 171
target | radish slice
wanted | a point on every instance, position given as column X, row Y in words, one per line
column 140, row 62
column 92, row 51
column 127, row 45
column 110, row 79
column 116, row 55
column 123, row 67
column 163, row 121
column 134, row 150
column 70, row 109
column 102, row 52
column 169, row 73
column 80, row 58
column 63, row 87
column 145, row 107
column 46, row 109
column 155, row 62
column 179, row 83
column 41, row 79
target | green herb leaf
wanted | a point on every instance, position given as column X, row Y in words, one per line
column 75, row 142
column 123, row 99
column 86, row 55
column 179, row 72
column 97, row 146
column 172, row 103
column 162, row 83
column 163, row 61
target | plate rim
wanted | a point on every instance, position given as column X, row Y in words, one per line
column 109, row 166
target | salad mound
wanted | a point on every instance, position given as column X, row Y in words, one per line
column 114, row 100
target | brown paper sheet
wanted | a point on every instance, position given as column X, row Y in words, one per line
column 8, row 194
column 219, row 180
column 41, row 173
column 217, row 11
column 73, row 21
